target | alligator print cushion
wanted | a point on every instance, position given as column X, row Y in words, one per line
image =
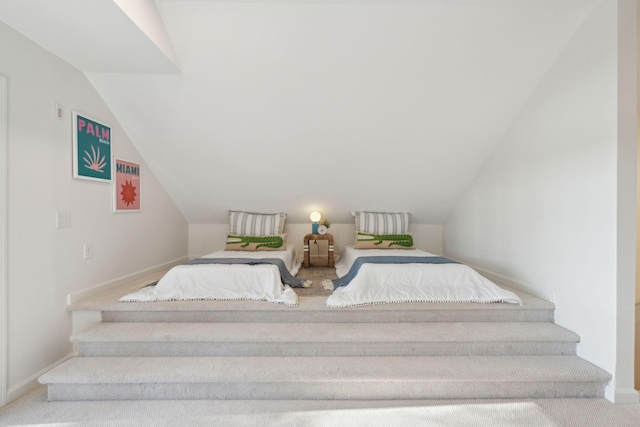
column 383, row 241
column 255, row 243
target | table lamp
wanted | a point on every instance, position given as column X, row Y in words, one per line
column 315, row 219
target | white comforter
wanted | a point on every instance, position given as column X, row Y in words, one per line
column 260, row 282
column 389, row 283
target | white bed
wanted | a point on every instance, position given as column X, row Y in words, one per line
column 393, row 283
column 260, row 282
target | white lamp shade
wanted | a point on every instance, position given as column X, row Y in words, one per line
column 315, row 216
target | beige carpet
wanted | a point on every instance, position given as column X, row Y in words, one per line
column 33, row 409
column 316, row 275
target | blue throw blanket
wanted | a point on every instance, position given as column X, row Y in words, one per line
column 286, row 277
column 353, row 271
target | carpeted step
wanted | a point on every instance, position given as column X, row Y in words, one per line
column 324, row 339
column 324, row 378
column 314, row 310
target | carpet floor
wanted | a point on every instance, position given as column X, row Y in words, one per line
column 33, row 409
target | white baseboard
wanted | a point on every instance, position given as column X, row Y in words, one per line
column 86, row 293
column 626, row 396
column 31, row 382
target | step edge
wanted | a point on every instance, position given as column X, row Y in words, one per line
column 586, row 371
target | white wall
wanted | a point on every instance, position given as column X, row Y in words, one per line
column 358, row 103
column 627, row 103
column 543, row 211
column 207, row 238
column 637, row 295
column 46, row 264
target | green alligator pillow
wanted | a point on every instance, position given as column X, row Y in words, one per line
column 383, row 241
column 255, row 243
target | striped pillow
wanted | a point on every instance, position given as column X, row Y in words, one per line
column 382, row 222
column 256, row 224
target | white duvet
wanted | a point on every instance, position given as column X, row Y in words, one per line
column 390, row 283
column 260, row 282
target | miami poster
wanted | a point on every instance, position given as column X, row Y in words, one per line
column 91, row 149
column 126, row 188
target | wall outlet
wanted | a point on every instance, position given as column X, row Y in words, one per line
column 58, row 111
column 87, row 251
column 63, row 219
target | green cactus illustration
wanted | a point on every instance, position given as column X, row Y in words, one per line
column 273, row 242
column 405, row 240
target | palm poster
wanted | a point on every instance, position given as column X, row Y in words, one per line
column 91, row 149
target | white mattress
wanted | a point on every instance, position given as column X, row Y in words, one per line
column 392, row 283
column 260, row 282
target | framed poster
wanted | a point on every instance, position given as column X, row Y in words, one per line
column 91, row 149
column 126, row 187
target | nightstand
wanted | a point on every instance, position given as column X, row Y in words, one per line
column 307, row 260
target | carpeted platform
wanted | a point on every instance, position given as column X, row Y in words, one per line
column 264, row 351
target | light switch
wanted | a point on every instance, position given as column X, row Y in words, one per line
column 63, row 220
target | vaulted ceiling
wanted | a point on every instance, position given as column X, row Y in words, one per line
column 300, row 105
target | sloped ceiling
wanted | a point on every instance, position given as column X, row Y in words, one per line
column 309, row 105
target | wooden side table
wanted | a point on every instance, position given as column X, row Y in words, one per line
column 307, row 260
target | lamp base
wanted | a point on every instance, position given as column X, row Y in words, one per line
column 314, row 228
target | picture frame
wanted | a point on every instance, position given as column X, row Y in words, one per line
column 92, row 148
column 127, row 186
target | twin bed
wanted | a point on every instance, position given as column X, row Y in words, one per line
column 392, row 277
column 222, row 281
column 381, row 267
